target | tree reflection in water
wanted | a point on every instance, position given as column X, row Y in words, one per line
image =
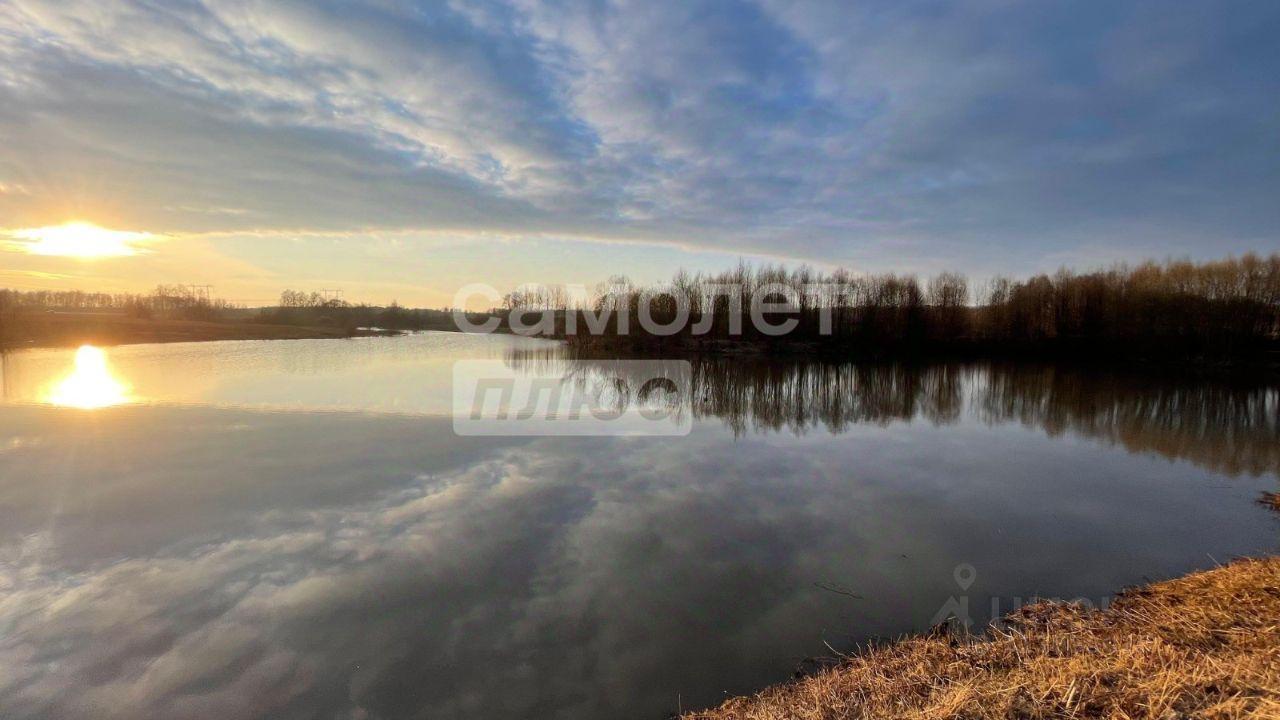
column 1228, row 425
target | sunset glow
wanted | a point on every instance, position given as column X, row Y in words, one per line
column 80, row 240
column 91, row 384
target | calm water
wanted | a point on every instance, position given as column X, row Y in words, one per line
column 293, row 529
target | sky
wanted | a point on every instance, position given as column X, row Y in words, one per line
column 400, row 150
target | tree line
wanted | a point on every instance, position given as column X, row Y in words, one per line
column 1218, row 308
column 174, row 301
column 1208, row 308
column 295, row 307
column 314, row 309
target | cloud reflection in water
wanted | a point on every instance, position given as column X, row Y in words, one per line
column 171, row 564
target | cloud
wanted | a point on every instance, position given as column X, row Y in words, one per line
column 990, row 135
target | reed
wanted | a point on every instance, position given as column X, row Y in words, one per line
column 1206, row 645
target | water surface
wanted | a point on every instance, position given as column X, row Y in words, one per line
column 293, row 530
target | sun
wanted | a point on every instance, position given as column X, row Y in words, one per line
column 80, row 240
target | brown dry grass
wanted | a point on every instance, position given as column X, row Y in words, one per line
column 1202, row 646
column 72, row 329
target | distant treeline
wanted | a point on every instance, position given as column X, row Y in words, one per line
column 170, row 301
column 1176, row 308
column 314, row 309
column 296, row 308
column 1215, row 308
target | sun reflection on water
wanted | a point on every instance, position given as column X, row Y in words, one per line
column 91, row 384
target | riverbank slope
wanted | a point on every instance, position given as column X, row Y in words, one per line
column 71, row 329
column 1204, row 645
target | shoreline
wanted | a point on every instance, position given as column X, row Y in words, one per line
column 72, row 329
column 64, row 330
column 1205, row 644
column 1266, row 365
column 1065, row 351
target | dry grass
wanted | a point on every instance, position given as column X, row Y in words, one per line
column 1271, row 500
column 72, row 329
column 1203, row 646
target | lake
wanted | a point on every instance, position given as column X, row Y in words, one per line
column 294, row 529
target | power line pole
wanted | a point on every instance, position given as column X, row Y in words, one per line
column 201, row 292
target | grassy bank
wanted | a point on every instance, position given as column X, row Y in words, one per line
column 1206, row 645
column 21, row 330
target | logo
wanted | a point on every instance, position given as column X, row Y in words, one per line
column 598, row 398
